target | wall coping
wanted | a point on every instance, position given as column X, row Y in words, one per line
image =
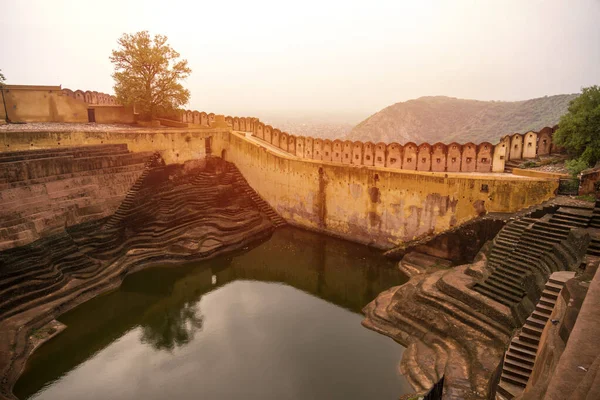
column 32, row 87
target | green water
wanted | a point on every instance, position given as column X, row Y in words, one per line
column 280, row 320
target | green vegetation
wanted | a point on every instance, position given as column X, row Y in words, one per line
column 529, row 164
column 587, row 197
column 447, row 119
column 2, row 78
column 147, row 74
column 579, row 130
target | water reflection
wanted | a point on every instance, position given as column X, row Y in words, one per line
column 243, row 339
column 173, row 328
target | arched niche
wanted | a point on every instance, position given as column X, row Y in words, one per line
column 308, row 147
column 357, row 153
column 439, row 155
column 394, row 156
column 424, row 157
column 336, row 155
column 379, row 159
column 530, row 144
column 368, row 154
column 469, row 157
column 516, row 147
column 409, row 161
column 300, row 143
column 485, row 154
column 347, row 152
column 318, row 149
column 544, row 144
column 454, row 157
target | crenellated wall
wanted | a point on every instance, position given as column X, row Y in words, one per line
column 50, row 103
column 91, row 97
column 377, row 204
column 439, row 157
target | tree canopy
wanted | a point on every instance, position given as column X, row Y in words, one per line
column 147, row 74
column 579, row 130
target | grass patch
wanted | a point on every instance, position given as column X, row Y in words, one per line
column 529, row 164
column 587, row 197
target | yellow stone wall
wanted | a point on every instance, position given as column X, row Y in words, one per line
column 375, row 205
column 175, row 145
column 41, row 104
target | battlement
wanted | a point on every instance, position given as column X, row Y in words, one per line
column 96, row 98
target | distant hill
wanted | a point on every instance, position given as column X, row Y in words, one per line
column 447, row 119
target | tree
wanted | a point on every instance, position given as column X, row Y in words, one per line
column 579, row 130
column 147, row 74
column 2, row 80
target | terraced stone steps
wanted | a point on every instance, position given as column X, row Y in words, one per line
column 520, row 356
column 75, row 151
column 595, row 218
column 127, row 202
column 163, row 219
column 529, row 246
column 572, row 217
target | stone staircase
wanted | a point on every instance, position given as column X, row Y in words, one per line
column 43, row 190
column 524, row 247
column 595, row 218
column 175, row 218
column 573, row 217
column 520, row 356
column 510, row 164
column 127, row 202
column 262, row 205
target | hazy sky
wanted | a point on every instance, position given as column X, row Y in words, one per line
column 316, row 57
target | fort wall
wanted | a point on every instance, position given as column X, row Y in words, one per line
column 175, row 146
column 377, row 205
column 439, row 157
column 41, row 104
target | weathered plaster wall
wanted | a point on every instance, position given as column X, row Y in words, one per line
column 113, row 114
column 175, row 146
column 377, row 205
column 42, row 104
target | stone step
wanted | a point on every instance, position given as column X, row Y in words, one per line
column 537, row 322
column 500, row 285
column 515, row 372
column 547, row 302
column 513, row 364
column 528, row 337
column 501, row 293
column 518, row 381
column 544, row 309
column 554, row 287
column 484, row 291
column 541, row 316
column 550, row 294
column 524, row 347
column 521, row 357
column 532, row 329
